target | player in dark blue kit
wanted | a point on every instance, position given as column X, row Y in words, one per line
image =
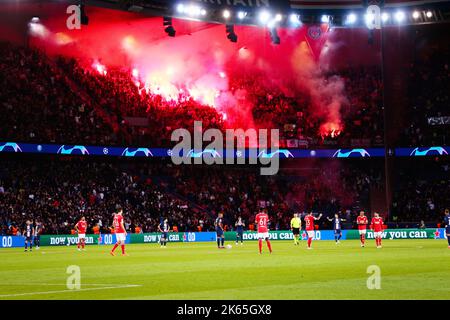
column 219, row 231
column 447, row 225
column 337, row 227
column 37, row 234
column 164, row 229
column 28, row 233
column 239, row 230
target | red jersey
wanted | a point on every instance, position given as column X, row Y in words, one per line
column 362, row 222
column 261, row 220
column 377, row 224
column 117, row 223
column 309, row 220
column 81, row 226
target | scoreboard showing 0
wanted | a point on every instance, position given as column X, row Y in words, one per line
column 11, row 241
column 6, row 242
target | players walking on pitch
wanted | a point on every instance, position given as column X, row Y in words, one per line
column 377, row 227
column 337, row 227
column 447, row 226
column 362, row 222
column 262, row 220
column 163, row 227
column 28, row 233
column 37, row 234
column 219, row 231
column 239, row 230
column 81, row 228
column 119, row 229
column 296, row 224
column 309, row 226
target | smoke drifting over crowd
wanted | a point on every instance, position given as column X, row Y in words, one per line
column 201, row 63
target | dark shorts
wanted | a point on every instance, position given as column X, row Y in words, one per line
column 240, row 233
column 28, row 239
column 296, row 231
column 337, row 231
column 165, row 235
column 219, row 232
column 447, row 230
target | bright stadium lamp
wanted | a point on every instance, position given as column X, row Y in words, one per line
column 226, row 14
column 351, row 18
column 242, row 14
column 180, row 8
column 264, row 16
column 294, row 18
column 429, row 14
column 416, row 14
column 325, row 18
column 399, row 16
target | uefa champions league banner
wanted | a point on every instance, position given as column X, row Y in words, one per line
column 82, row 150
column 153, row 238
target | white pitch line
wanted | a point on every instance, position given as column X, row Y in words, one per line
column 65, row 291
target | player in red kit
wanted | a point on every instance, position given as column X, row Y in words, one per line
column 81, row 228
column 119, row 230
column 261, row 221
column 309, row 226
column 362, row 222
column 377, row 227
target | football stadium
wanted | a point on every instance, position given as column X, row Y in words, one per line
column 224, row 150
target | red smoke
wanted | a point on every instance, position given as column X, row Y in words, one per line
column 200, row 62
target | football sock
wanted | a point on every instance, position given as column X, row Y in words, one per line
column 260, row 245
column 269, row 245
column 115, row 246
column 123, row 248
column 222, row 240
column 448, row 239
column 309, row 242
column 218, row 242
column 339, row 238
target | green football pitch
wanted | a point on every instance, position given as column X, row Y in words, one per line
column 409, row 269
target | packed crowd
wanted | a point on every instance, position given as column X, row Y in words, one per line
column 58, row 192
column 39, row 105
column 422, row 192
column 64, row 101
column 429, row 96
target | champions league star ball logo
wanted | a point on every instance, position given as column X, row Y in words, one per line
column 10, row 146
column 417, row 152
column 137, row 152
column 286, row 153
column 352, row 153
column 72, row 150
column 213, row 153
